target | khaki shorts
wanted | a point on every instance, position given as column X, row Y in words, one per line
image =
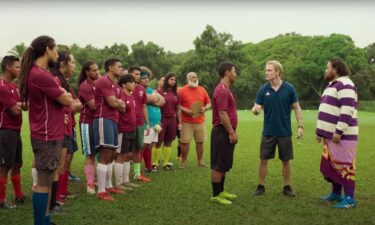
column 190, row 130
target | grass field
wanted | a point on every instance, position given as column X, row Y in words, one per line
column 182, row 196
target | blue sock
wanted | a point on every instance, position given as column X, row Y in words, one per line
column 40, row 201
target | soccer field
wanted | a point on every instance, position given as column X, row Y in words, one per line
column 182, row 196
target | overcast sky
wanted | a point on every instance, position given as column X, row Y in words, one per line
column 174, row 26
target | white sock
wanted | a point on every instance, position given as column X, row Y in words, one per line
column 119, row 167
column 34, row 175
column 125, row 175
column 101, row 173
column 108, row 180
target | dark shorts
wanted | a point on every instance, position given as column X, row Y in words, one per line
column 139, row 134
column 168, row 132
column 106, row 133
column 10, row 147
column 127, row 142
column 71, row 143
column 268, row 147
column 47, row 154
column 177, row 132
column 87, row 139
column 221, row 150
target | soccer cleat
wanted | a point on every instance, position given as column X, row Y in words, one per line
column 221, row 201
column 131, row 185
column 60, row 202
column 227, row 195
column 142, row 179
column 105, row 196
column 154, row 168
column 332, row 197
column 261, row 189
column 67, row 195
column 124, row 188
column 90, row 188
column 347, row 203
column 4, row 205
column 20, row 199
column 74, row 178
column 114, row 190
column 170, row 163
column 287, row 191
column 167, row 167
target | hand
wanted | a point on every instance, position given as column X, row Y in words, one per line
column 147, row 130
column 336, row 138
column 233, row 138
column 158, row 128
column 318, row 139
column 189, row 112
column 66, row 119
column 300, row 132
column 202, row 110
column 256, row 109
column 179, row 126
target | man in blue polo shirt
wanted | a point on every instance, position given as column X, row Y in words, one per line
column 277, row 98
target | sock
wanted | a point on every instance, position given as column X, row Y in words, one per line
column 336, row 188
column 60, row 187
column 65, row 183
column 147, row 158
column 16, row 181
column 101, row 173
column 126, row 171
column 40, row 201
column 166, row 153
column 349, row 190
column 216, row 186
column 53, row 195
column 155, row 155
column 119, row 168
column 222, row 184
column 47, row 220
column 108, row 179
column 34, row 174
column 3, row 186
column 137, row 169
column 90, row 173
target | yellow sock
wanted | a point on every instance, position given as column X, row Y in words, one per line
column 155, row 155
column 166, row 153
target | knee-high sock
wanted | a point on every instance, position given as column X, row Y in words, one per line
column 336, row 188
column 16, row 181
column 119, row 169
column 90, row 173
column 60, row 187
column 126, row 171
column 155, row 155
column 34, row 175
column 40, row 201
column 65, row 183
column 137, row 169
column 222, row 184
column 3, row 186
column 166, row 153
column 101, row 172
column 108, row 180
column 52, row 203
column 216, row 186
column 147, row 158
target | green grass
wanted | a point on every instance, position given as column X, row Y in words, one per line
column 182, row 196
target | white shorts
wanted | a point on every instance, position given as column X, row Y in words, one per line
column 152, row 137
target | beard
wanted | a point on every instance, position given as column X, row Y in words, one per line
column 193, row 84
column 328, row 77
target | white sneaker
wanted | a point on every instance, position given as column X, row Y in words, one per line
column 90, row 189
column 131, row 185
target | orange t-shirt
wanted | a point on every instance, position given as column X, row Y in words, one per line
column 188, row 96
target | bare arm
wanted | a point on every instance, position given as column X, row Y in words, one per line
column 186, row 110
column 65, row 99
column 179, row 124
column 76, row 106
column 91, row 104
column 298, row 112
column 161, row 100
column 228, row 127
column 115, row 103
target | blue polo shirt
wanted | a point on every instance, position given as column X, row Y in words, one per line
column 154, row 114
column 277, row 106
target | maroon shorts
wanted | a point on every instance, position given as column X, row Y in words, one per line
column 168, row 132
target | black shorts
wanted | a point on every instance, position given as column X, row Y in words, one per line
column 268, row 147
column 221, row 150
column 71, row 143
column 46, row 153
column 10, row 147
column 128, row 142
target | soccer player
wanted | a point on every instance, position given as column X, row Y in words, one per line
column 140, row 96
column 108, row 105
column 277, row 98
column 46, row 100
column 10, row 128
column 223, row 133
column 337, row 129
column 89, row 74
column 170, row 120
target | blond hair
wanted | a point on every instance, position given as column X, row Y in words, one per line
column 276, row 65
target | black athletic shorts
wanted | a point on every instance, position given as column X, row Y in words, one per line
column 128, row 142
column 46, row 153
column 71, row 143
column 268, row 147
column 221, row 150
column 10, row 147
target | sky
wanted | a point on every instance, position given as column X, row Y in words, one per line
column 174, row 25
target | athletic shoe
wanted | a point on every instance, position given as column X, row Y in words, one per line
column 261, row 189
column 287, row 191
column 4, row 205
column 60, row 202
column 154, row 168
column 21, row 199
column 227, row 195
column 105, row 196
column 90, row 188
column 332, row 197
column 74, row 178
column 167, row 167
column 346, row 203
column 67, row 195
column 57, row 209
column 131, row 185
column 122, row 187
column 142, row 179
column 114, row 190
column 221, row 201
column 170, row 163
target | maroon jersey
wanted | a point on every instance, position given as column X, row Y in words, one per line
column 223, row 100
column 9, row 96
column 169, row 109
column 86, row 93
column 127, row 120
column 140, row 96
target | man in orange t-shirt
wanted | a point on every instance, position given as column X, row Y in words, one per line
column 194, row 102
